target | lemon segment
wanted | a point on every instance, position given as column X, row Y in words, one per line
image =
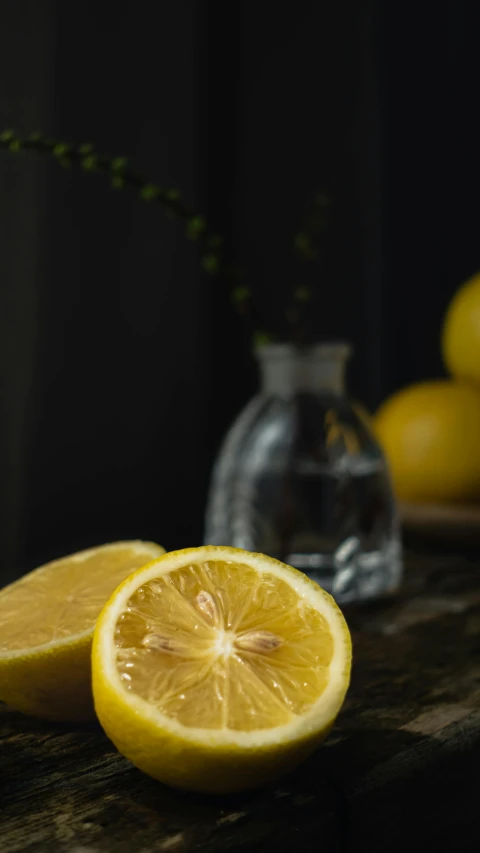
column 215, row 669
column 46, row 628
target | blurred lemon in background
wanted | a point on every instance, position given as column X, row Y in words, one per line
column 430, row 433
column 461, row 332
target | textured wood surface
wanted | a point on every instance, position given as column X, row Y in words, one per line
column 438, row 522
column 400, row 771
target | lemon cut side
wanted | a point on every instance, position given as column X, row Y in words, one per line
column 46, row 628
column 216, row 670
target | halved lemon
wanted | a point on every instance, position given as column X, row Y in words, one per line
column 217, row 670
column 46, row 628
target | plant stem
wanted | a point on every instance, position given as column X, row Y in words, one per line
column 117, row 170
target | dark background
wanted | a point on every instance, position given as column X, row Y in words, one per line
column 121, row 363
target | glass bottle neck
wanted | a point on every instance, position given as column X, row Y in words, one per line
column 286, row 369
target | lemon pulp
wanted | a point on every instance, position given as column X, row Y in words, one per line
column 65, row 596
column 209, row 656
column 47, row 620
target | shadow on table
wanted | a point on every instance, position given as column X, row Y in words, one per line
column 372, row 790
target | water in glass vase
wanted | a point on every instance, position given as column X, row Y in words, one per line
column 301, row 478
column 343, row 530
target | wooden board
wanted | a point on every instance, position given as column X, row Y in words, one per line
column 460, row 523
column 398, row 773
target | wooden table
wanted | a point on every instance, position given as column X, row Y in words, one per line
column 401, row 769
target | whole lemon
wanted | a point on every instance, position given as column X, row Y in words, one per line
column 430, row 433
column 461, row 332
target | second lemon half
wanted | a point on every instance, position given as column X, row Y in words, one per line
column 46, row 628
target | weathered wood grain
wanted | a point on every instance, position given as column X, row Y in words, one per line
column 399, row 772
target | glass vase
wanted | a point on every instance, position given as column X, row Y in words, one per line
column 301, row 477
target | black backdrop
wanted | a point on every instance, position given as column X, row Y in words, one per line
column 121, row 364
